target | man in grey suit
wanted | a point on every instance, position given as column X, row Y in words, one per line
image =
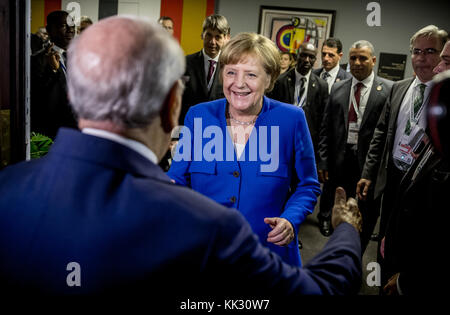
column 202, row 68
column 331, row 55
column 350, row 119
column 301, row 87
column 399, row 132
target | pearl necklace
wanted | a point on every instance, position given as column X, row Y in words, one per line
column 245, row 123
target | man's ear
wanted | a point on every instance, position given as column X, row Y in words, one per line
column 171, row 109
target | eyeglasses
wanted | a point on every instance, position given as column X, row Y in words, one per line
column 425, row 52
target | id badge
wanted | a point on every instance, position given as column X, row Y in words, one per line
column 404, row 151
column 353, row 131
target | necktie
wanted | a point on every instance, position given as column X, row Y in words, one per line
column 63, row 62
column 352, row 117
column 418, row 102
column 212, row 64
column 325, row 75
column 301, row 90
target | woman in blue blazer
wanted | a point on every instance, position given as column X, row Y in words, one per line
column 250, row 152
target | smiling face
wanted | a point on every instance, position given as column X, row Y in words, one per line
column 244, row 85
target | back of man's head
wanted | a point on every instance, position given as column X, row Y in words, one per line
column 121, row 71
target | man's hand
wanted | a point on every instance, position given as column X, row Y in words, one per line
column 345, row 211
column 391, row 287
column 323, row 175
column 282, row 231
column 362, row 188
column 52, row 58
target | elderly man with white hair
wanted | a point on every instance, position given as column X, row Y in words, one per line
column 97, row 215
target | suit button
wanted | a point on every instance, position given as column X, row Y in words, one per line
column 233, row 199
column 236, row 174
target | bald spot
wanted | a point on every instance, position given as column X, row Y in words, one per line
column 308, row 46
column 109, row 47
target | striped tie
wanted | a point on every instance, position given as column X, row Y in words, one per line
column 418, row 102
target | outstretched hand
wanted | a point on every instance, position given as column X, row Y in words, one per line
column 345, row 210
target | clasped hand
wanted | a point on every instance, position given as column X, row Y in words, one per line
column 282, row 231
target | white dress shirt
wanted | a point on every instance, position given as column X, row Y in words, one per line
column 129, row 143
column 206, row 60
column 298, row 77
column 404, row 116
column 365, row 92
column 60, row 52
column 332, row 76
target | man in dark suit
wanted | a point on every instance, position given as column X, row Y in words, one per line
column 398, row 132
column 96, row 215
column 423, row 191
column 50, row 107
column 202, row 68
column 350, row 118
column 331, row 72
column 301, row 87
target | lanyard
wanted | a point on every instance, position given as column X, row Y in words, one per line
column 353, row 99
column 415, row 118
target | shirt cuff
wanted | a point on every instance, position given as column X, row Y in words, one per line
column 398, row 286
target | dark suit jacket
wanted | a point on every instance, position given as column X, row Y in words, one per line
column 196, row 90
column 334, row 131
column 341, row 76
column 380, row 149
column 132, row 231
column 49, row 105
column 409, row 237
column 314, row 106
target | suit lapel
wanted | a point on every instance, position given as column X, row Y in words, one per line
column 201, row 75
column 398, row 100
column 216, row 81
column 345, row 98
column 291, row 85
column 312, row 87
column 374, row 98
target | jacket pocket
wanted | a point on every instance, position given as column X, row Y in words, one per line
column 203, row 167
column 282, row 171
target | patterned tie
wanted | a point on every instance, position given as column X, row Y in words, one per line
column 301, row 90
column 63, row 62
column 418, row 102
column 352, row 117
column 212, row 64
column 325, row 75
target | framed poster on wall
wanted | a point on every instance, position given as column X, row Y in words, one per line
column 288, row 28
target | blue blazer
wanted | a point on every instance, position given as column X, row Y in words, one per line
column 289, row 190
column 132, row 231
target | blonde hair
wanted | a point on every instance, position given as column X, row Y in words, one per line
column 429, row 31
column 244, row 44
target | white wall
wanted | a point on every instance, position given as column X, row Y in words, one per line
column 87, row 7
column 400, row 19
column 144, row 8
